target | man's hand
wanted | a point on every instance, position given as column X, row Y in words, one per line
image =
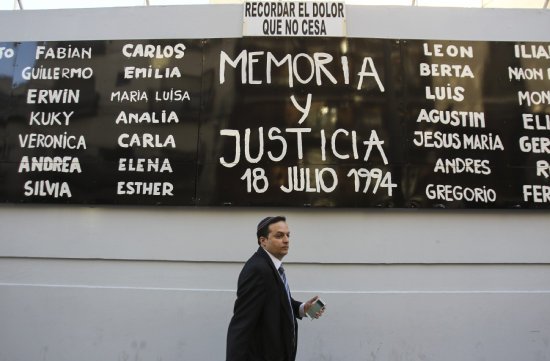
column 310, row 303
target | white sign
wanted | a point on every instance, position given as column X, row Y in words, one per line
column 294, row 18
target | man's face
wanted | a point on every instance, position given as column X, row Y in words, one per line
column 278, row 239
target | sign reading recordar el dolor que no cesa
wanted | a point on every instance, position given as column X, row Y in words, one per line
column 294, row 18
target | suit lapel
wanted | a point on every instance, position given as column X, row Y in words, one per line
column 280, row 284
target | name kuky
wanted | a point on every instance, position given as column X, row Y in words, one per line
column 302, row 68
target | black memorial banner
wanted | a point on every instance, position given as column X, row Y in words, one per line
column 320, row 122
column 477, row 124
column 103, row 122
column 302, row 122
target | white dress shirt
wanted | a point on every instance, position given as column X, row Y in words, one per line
column 277, row 263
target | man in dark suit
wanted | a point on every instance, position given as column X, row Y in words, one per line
column 264, row 327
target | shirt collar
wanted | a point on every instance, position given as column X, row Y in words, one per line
column 276, row 262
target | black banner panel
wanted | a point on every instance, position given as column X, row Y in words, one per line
column 306, row 122
column 103, row 122
column 477, row 124
column 334, row 122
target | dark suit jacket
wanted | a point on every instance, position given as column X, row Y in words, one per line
column 261, row 327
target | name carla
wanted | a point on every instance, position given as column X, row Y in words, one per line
column 146, row 140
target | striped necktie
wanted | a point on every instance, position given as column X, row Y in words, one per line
column 283, row 277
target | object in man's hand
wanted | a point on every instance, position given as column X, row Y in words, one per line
column 316, row 307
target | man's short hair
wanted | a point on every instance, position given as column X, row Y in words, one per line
column 263, row 226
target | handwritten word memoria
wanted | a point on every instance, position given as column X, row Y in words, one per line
column 302, row 68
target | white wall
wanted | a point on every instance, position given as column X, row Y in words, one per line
column 149, row 283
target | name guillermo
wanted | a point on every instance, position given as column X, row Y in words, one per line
column 42, row 73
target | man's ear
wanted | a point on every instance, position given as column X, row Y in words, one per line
column 262, row 241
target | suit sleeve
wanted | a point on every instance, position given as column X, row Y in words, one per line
column 250, row 299
column 296, row 308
